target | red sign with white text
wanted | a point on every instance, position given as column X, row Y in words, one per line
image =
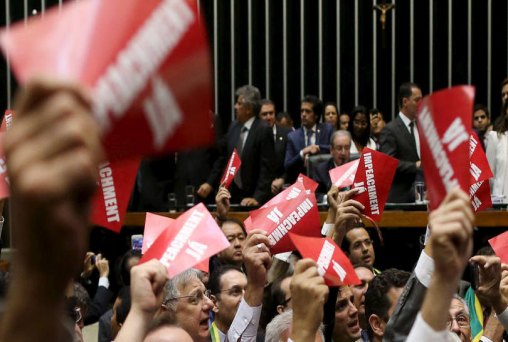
column 480, row 196
column 298, row 213
column 154, row 226
column 332, row 264
column 444, row 125
column 479, row 165
column 374, row 178
column 231, row 170
column 344, row 175
column 195, row 237
column 4, row 179
column 145, row 63
column 309, row 184
column 480, row 171
column 500, row 246
column 116, row 181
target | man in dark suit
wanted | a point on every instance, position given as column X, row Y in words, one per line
column 253, row 140
column 310, row 139
column 340, row 144
column 400, row 140
column 267, row 113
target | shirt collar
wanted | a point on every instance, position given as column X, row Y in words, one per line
column 405, row 119
column 313, row 129
column 248, row 123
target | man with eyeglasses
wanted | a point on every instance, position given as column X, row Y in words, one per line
column 227, row 285
column 187, row 298
column 340, row 145
column 481, row 122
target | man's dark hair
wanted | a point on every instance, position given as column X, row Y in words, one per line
column 123, row 271
column 405, row 91
column 373, row 111
column 266, row 102
column 235, row 221
column 376, row 300
column 317, row 105
column 82, row 297
column 284, row 115
column 483, row 107
column 486, row 250
column 123, row 309
column 216, row 275
column 273, row 297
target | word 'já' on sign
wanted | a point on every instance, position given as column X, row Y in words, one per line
column 371, row 184
column 194, row 249
column 285, row 226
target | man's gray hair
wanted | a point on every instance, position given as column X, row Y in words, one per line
column 340, row 133
column 282, row 323
column 251, row 97
column 463, row 301
column 173, row 286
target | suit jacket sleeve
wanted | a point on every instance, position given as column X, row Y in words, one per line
column 219, row 164
column 293, row 158
column 388, row 145
column 267, row 168
column 99, row 305
column 410, row 301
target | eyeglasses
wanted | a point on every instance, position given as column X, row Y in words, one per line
column 194, row 299
column 462, row 321
column 234, row 291
column 360, row 123
column 480, row 117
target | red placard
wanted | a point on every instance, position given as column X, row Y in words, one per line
column 500, row 246
column 146, row 63
column 116, row 180
column 374, row 178
column 232, row 168
column 479, row 167
column 480, row 196
column 298, row 213
column 309, row 184
column 4, row 179
column 154, row 226
column 195, row 238
column 344, row 175
column 332, row 263
column 444, row 121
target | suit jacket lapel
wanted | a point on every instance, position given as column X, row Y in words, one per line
column 406, row 134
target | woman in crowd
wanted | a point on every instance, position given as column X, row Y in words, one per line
column 359, row 127
column 497, row 154
column 331, row 115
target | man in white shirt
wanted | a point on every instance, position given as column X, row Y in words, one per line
column 400, row 140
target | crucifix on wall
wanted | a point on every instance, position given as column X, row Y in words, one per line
column 384, row 8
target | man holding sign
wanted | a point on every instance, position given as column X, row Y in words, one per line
column 253, row 140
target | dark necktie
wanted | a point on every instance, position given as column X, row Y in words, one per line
column 412, row 130
column 239, row 149
column 309, row 137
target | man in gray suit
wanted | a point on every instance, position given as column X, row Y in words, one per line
column 400, row 140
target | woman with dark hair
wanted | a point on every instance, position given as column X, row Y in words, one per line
column 359, row 127
column 497, row 154
column 331, row 115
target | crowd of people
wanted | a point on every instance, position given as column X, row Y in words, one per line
column 56, row 286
